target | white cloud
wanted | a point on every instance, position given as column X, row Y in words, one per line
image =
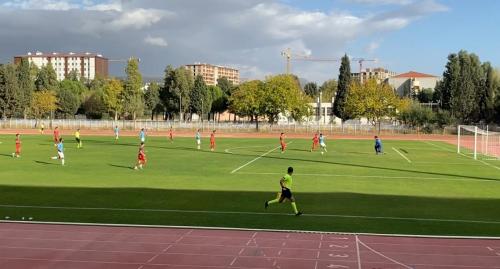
column 41, row 4
column 107, row 6
column 156, row 41
column 248, row 33
column 372, row 47
column 138, row 18
column 381, row 2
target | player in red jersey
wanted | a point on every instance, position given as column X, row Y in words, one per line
column 56, row 136
column 141, row 157
column 212, row 141
column 17, row 154
column 171, row 135
column 315, row 142
column 282, row 142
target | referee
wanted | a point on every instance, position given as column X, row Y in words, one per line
column 286, row 193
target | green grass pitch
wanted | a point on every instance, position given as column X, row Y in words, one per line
column 349, row 189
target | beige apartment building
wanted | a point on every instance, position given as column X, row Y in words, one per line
column 211, row 73
column 86, row 65
column 411, row 83
column 380, row 74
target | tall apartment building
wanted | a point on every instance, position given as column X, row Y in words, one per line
column 211, row 73
column 380, row 74
column 86, row 65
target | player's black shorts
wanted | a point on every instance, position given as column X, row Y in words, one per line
column 287, row 193
column 77, row 140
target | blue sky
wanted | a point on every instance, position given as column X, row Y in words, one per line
column 250, row 34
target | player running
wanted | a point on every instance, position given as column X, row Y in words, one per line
column 142, row 135
column 212, row 141
column 79, row 143
column 282, row 142
column 171, row 135
column 286, row 192
column 117, row 133
column 141, row 157
column 60, row 151
column 56, row 136
column 42, row 128
column 197, row 137
column 378, row 146
column 315, row 142
column 322, row 144
column 17, row 154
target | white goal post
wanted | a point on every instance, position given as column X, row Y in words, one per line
column 479, row 143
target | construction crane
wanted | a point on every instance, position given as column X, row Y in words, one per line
column 124, row 60
column 289, row 56
column 360, row 61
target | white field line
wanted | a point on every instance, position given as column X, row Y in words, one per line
column 402, row 155
column 481, row 161
column 247, row 229
column 249, row 213
column 439, row 147
column 258, row 157
column 228, row 150
column 382, row 255
column 458, row 178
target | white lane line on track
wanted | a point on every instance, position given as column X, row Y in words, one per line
column 258, row 157
column 247, row 213
column 402, row 155
column 381, row 255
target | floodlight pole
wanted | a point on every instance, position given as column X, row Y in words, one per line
column 458, row 140
column 487, row 138
column 475, row 142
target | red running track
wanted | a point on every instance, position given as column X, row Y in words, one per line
column 60, row 246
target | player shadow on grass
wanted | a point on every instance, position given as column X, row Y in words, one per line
column 384, row 168
column 6, row 155
column 47, row 163
column 120, row 166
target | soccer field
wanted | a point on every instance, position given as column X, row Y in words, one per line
column 417, row 187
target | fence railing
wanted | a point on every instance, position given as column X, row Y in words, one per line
column 234, row 127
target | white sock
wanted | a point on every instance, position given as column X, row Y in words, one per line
column 62, row 161
column 54, row 158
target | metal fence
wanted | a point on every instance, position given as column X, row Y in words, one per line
column 349, row 128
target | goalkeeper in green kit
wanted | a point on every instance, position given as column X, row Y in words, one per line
column 286, row 192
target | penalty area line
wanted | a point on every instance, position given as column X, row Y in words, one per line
column 402, row 155
column 251, row 213
column 258, row 157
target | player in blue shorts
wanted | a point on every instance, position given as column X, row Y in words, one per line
column 378, row 146
column 322, row 144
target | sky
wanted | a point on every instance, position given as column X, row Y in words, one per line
column 402, row 35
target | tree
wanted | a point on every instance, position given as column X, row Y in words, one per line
column 43, row 103
column 328, row 90
column 311, row 89
column 417, row 116
column 281, row 96
column 176, row 89
column 26, row 85
column 112, row 96
column 425, row 96
column 10, row 97
column 94, row 105
column 486, row 97
column 133, row 103
column 464, row 93
column 219, row 100
column 47, row 79
column 342, row 93
column 248, row 99
column 67, row 102
column 372, row 100
column 152, row 99
column 200, row 98
column 227, row 89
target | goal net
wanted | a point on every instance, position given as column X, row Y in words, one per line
column 478, row 143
